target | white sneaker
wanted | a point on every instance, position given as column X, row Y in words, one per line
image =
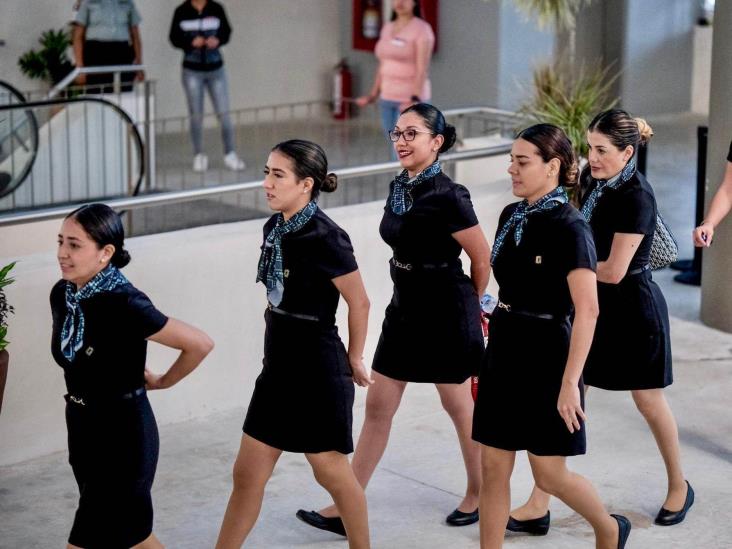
column 233, row 162
column 200, row 163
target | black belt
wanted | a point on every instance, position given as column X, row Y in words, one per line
column 639, row 270
column 82, row 402
column 279, row 311
column 412, row 266
column 524, row 312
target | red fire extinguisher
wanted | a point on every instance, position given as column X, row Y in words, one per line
column 342, row 80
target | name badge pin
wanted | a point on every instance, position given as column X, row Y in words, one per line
column 89, row 351
column 287, row 273
column 537, row 260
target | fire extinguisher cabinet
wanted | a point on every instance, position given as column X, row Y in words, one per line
column 342, row 84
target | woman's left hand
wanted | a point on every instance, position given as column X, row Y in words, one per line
column 361, row 376
column 212, row 42
column 569, row 406
column 154, row 381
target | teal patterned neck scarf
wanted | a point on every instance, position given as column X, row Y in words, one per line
column 518, row 218
column 72, row 333
column 600, row 185
column 401, row 200
column 270, row 270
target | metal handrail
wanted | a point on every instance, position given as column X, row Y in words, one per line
column 102, row 69
column 138, row 202
column 88, row 99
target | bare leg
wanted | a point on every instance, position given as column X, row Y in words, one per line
column 495, row 495
column 538, row 503
column 252, row 469
column 458, row 403
column 382, row 402
column 150, row 543
column 334, row 473
column 552, row 476
column 653, row 405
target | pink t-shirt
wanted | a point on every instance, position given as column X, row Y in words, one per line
column 397, row 55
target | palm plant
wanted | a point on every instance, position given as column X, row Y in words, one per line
column 50, row 63
column 5, row 308
column 570, row 103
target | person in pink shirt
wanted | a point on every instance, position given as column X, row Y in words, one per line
column 404, row 51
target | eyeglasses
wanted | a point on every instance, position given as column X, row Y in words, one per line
column 408, row 135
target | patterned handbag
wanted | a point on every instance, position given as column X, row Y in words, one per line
column 664, row 249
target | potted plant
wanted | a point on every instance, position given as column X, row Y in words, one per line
column 5, row 310
column 50, row 63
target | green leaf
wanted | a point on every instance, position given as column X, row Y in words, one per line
column 5, row 270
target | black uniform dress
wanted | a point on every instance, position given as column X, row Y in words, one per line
column 521, row 374
column 112, row 434
column 431, row 332
column 303, row 399
column 632, row 345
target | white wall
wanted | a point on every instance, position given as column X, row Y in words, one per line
column 281, row 51
column 204, row 276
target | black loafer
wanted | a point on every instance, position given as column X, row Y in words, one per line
column 535, row 527
column 458, row 518
column 623, row 529
column 316, row 520
column 669, row 518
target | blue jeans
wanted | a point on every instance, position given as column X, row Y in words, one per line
column 389, row 115
column 217, row 84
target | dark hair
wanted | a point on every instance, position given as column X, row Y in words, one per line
column 416, row 10
column 552, row 143
column 621, row 128
column 309, row 160
column 104, row 226
column 435, row 122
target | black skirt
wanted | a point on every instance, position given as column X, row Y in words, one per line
column 632, row 344
column 519, row 385
column 431, row 331
column 113, row 451
column 303, row 399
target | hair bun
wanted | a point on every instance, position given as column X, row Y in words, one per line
column 330, row 183
column 450, row 136
column 645, row 130
column 121, row 258
column 571, row 175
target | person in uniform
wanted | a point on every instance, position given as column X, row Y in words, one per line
column 431, row 331
column 101, row 324
column 631, row 350
column 530, row 386
column 303, row 398
column 107, row 32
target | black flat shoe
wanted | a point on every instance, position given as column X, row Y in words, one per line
column 458, row 518
column 623, row 529
column 669, row 518
column 535, row 527
column 316, row 520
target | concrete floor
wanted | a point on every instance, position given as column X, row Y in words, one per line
column 420, row 478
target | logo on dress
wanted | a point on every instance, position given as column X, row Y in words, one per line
column 537, row 260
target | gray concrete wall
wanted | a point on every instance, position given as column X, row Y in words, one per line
column 280, row 51
column 716, row 307
column 658, row 56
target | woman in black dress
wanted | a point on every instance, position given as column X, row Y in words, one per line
column 303, row 398
column 101, row 324
column 631, row 350
column 530, row 390
column 431, row 332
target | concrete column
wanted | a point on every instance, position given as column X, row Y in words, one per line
column 716, row 306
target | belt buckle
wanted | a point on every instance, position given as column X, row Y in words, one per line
column 405, row 266
column 77, row 400
column 502, row 305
